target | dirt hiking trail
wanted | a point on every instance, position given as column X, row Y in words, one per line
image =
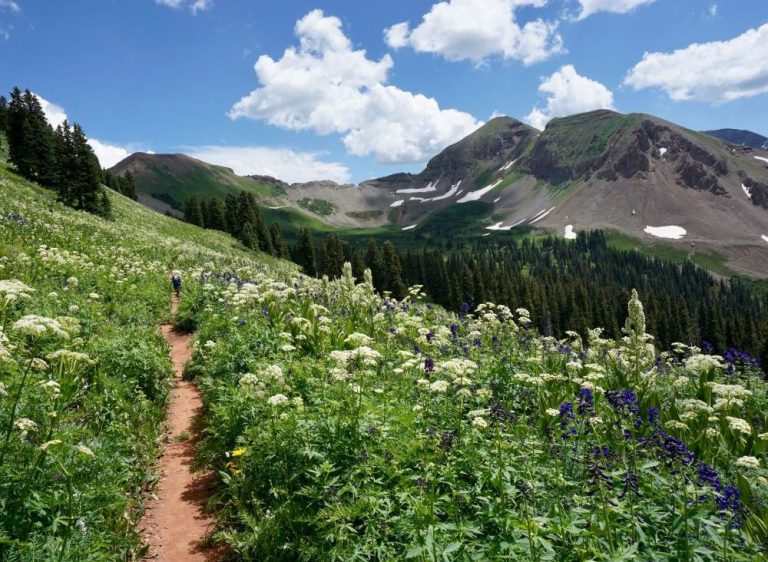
column 176, row 525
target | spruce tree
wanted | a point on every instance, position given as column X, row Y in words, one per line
column 281, row 248
column 3, row 114
column 393, row 271
column 216, row 215
column 129, row 186
column 192, row 211
column 375, row 262
column 306, row 253
column 248, row 236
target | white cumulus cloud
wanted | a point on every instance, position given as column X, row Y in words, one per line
column 567, row 93
column 716, row 72
column 108, row 154
column 55, row 114
column 477, row 29
column 281, row 163
column 326, row 86
column 9, row 5
column 194, row 5
column 589, row 7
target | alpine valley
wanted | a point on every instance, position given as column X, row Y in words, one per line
column 652, row 183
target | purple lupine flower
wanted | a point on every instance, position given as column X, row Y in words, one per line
column 429, row 365
column 586, row 402
column 709, row 476
column 653, row 416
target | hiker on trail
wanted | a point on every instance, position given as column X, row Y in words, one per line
column 176, row 282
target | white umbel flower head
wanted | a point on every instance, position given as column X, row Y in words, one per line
column 277, row 400
column 747, row 462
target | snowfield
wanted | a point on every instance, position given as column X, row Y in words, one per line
column 411, row 227
column 764, row 237
column 762, row 158
column 662, row 150
column 450, row 193
column 500, row 225
column 569, row 233
column 397, row 203
column 746, row 191
column 430, row 187
column 540, row 216
column 673, row 232
column 477, row 194
column 508, row 165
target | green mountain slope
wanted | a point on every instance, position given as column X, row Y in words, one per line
column 174, row 178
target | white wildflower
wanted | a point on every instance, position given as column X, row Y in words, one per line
column 277, row 400
column 85, row 451
column 439, row 386
column 479, row 422
column 33, row 325
column 739, row 425
column 747, row 462
column 52, row 443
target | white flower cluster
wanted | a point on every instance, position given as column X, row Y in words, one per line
column 13, row 290
column 699, row 363
column 34, row 325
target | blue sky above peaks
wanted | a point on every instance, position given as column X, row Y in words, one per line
column 349, row 90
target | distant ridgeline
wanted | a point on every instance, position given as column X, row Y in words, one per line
column 566, row 285
column 60, row 159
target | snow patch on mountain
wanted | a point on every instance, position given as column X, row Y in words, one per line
column 411, row 227
column 431, row 186
column 450, row 193
column 477, row 194
column 673, row 232
column 569, row 232
column 762, row 158
column 541, row 216
column 508, row 165
column 500, row 225
column 397, row 203
column 764, row 237
column 746, row 191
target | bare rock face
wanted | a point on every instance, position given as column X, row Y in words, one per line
column 693, row 175
column 758, row 190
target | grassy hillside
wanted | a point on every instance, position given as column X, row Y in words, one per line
column 174, row 178
column 84, row 375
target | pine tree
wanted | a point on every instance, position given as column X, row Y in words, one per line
column 192, row 212
column 262, row 232
column 129, row 186
column 334, row 257
column 235, row 220
column 375, row 262
column 393, row 271
column 3, row 114
column 281, row 248
column 306, row 253
column 216, row 215
column 248, row 236
column 87, row 193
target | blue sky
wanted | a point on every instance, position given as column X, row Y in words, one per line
column 372, row 88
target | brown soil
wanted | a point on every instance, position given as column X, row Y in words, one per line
column 175, row 524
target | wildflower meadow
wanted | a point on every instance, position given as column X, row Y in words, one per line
column 345, row 425
column 342, row 424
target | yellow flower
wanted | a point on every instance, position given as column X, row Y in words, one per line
column 239, row 452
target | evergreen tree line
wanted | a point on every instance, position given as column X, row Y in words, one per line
column 60, row 159
column 565, row 285
column 238, row 215
column 124, row 183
